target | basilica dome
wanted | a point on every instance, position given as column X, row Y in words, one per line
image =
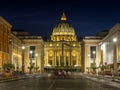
column 63, row 31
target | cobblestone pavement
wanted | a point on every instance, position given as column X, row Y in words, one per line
column 107, row 80
column 43, row 82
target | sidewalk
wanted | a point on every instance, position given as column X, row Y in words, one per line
column 107, row 80
column 106, row 77
column 11, row 78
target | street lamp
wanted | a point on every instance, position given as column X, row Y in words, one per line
column 94, row 57
column 31, row 61
column 115, row 57
column 88, row 60
column 89, row 63
column 36, row 60
column 23, row 66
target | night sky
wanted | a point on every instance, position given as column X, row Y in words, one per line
column 88, row 17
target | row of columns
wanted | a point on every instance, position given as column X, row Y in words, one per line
column 59, row 59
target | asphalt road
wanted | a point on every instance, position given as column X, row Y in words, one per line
column 44, row 83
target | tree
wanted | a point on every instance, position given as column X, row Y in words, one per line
column 93, row 67
column 103, row 67
column 30, row 68
column 8, row 66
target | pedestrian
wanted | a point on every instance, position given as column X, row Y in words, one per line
column 69, row 74
column 112, row 71
column 59, row 73
column 64, row 73
column 119, row 70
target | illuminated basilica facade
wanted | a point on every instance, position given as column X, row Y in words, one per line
column 63, row 50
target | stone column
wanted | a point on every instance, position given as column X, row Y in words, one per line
column 68, row 61
column 53, row 63
column 71, row 61
column 55, row 57
column 70, row 57
column 78, row 55
column 115, row 58
column 47, row 58
column 59, row 60
column 64, row 60
column 77, row 58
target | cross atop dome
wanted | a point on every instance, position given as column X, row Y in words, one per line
column 63, row 17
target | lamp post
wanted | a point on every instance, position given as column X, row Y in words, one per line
column 94, row 57
column 31, row 61
column 89, row 63
column 36, row 60
column 88, row 60
column 115, row 55
column 23, row 66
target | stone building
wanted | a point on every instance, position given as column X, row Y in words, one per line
column 15, row 51
column 33, row 51
column 110, row 48
column 63, row 50
column 91, row 52
column 5, row 30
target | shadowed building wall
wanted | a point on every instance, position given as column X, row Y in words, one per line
column 5, row 29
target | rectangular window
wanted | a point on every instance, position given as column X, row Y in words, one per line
column 0, row 27
column 93, row 51
column 32, row 55
column 0, row 47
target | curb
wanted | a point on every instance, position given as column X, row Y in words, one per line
column 91, row 77
column 110, row 83
column 107, row 78
column 12, row 79
column 118, row 81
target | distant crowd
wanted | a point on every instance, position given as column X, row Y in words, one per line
column 62, row 73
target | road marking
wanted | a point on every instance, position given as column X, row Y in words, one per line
column 60, row 88
column 52, row 85
column 64, row 89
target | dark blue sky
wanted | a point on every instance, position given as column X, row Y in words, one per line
column 88, row 17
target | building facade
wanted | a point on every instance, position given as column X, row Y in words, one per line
column 91, row 52
column 110, row 48
column 33, row 51
column 15, row 51
column 5, row 30
column 63, row 50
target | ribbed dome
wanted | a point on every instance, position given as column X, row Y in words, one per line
column 63, row 30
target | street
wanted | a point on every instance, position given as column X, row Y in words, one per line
column 45, row 83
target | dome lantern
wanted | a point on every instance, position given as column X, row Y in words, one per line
column 63, row 17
